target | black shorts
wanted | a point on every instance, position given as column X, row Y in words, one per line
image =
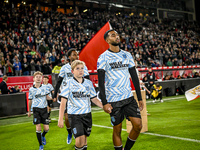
column 80, row 124
column 40, row 115
column 50, row 103
column 124, row 108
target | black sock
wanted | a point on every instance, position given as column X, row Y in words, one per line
column 38, row 133
column 69, row 130
column 44, row 133
column 85, row 147
column 81, row 148
column 118, row 147
column 129, row 144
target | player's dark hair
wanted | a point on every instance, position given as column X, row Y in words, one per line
column 106, row 34
column 46, row 77
column 69, row 52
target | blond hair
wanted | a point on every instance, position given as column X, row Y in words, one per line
column 76, row 63
column 5, row 77
column 37, row 73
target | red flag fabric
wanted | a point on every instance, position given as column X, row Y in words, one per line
column 95, row 47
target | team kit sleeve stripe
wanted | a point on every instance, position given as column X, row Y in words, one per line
column 101, row 63
column 62, row 72
column 131, row 61
column 30, row 95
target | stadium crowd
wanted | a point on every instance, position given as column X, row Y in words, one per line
column 33, row 40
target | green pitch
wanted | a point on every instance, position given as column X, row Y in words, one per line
column 172, row 125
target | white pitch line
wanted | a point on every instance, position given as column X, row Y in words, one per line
column 167, row 99
column 154, row 134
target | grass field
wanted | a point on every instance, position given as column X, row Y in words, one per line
column 172, row 125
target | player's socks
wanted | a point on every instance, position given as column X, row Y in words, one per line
column 81, row 148
column 49, row 113
column 44, row 133
column 118, row 147
column 38, row 133
column 85, row 147
column 69, row 130
column 129, row 144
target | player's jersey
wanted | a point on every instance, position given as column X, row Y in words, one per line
column 38, row 96
column 66, row 73
column 117, row 82
column 78, row 96
column 49, row 88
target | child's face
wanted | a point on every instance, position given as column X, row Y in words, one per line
column 45, row 80
column 37, row 79
column 78, row 71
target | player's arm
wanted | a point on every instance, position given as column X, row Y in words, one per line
column 48, row 97
column 61, row 111
column 101, row 79
column 29, row 107
column 97, row 102
column 60, row 79
column 136, row 83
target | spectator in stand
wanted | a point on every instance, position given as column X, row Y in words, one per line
column 2, row 61
column 53, row 59
column 42, row 50
column 18, row 68
column 183, row 76
column 171, row 77
column 38, row 66
column 189, row 75
column 45, row 68
column 178, row 77
column 1, row 54
column 32, row 67
column 196, row 75
column 30, row 40
column 169, row 62
column 9, row 68
column 1, row 70
column 25, row 67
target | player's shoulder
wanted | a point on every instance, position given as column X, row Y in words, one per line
column 125, row 53
column 66, row 66
column 31, row 89
column 104, row 54
column 87, row 81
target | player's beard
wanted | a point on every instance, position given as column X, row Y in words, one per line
column 115, row 43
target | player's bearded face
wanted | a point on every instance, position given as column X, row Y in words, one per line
column 74, row 56
column 114, row 38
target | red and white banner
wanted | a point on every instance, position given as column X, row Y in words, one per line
column 95, row 47
column 24, row 82
column 193, row 93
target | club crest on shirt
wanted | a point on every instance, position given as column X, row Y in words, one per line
column 124, row 55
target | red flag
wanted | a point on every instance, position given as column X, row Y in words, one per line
column 95, row 47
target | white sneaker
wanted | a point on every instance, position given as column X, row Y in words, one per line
column 154, row 101
column 161, row 101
